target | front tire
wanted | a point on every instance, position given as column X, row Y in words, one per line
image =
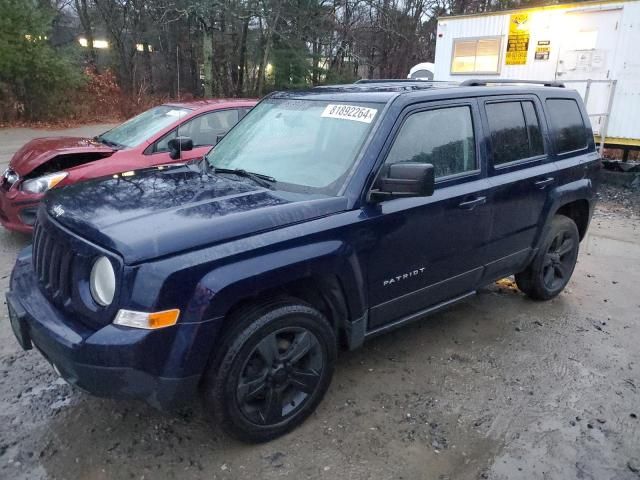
column 552, row 267
column 272, row 370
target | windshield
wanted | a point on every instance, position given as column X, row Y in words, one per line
column 138, row 129
column 307, row 146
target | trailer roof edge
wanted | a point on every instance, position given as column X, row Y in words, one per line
column 560, row 6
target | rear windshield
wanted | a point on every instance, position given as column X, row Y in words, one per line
column 567, row 125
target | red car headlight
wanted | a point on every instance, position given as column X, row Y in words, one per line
column 44, row 183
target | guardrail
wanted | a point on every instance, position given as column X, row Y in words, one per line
column 607, row 113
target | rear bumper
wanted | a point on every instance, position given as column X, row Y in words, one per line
column 162, row 367
column 18, row 210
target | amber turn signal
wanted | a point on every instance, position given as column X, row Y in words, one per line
column 163, row 319
column 149, row 321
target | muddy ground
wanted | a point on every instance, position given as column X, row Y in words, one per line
column 499, row 387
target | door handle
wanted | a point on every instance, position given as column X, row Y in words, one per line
column 471, row 204
column 544, row 182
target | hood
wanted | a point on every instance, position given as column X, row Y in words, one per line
column 160, row 211
column 38, row 152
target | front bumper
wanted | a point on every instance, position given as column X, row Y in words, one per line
column 162, row 367
column 18, row 209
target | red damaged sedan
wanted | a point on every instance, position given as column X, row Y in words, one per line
column 175, row 132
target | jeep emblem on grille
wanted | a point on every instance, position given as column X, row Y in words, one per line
column 57, row 210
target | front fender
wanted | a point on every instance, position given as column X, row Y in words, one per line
column 247, row 278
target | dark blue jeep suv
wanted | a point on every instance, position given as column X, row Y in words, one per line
column 322, row 219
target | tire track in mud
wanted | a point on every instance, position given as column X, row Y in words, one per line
column 586, row 367
column 449, row 397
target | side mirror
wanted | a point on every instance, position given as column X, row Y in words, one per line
column 407, row 180
column 179, row 144
column 220, row 137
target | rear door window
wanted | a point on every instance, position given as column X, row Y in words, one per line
column 567, row 125
column 533, row 129
column 515, row 131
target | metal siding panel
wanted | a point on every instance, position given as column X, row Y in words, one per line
column 548, row 25
column 626, row 103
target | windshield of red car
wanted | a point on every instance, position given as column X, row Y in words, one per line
column 307, row 146
column 140, row 128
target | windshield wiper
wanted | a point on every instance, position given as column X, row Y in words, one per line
column 108, row 143
column 259, row 178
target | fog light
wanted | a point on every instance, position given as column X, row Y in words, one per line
column 149, row 321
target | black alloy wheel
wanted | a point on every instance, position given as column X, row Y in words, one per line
column 279, row 375
column 270, row 370
column 552, row 267
column 559, row 260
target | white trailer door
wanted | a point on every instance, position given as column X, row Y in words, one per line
column 588, row 52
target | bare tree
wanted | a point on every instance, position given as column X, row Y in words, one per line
column 82, row 9
column 123, row 20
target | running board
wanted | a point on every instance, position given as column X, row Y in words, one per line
column 417, row 316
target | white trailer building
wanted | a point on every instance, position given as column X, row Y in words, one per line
column 593, row 47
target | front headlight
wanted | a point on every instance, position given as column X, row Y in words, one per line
column 102, row 282
column 44, row 183
column 10, row 176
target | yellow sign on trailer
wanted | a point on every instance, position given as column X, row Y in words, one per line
column 518, row 42
column 590, row 46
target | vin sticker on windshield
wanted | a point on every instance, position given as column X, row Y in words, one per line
column 350, row 112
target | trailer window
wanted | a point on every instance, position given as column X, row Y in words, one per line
column 479, row 55
column 567, row 126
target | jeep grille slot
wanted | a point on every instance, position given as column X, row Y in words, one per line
column 52, row 261
column 61, row 265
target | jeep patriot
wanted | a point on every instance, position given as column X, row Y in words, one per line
column 322, row 219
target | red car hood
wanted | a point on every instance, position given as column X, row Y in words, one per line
column 41, row 150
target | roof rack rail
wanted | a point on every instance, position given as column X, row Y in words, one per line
column 474, row 82
column 401, row 80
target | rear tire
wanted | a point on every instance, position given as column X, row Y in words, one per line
column 272, row 370
column 550, row 270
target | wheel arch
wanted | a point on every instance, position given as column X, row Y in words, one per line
column 326, row 276
column 579, row 211
column 322, row 292
column 574, row 200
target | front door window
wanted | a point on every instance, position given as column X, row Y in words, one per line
column 443, row 137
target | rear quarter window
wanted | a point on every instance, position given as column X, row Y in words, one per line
column 567, row 125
